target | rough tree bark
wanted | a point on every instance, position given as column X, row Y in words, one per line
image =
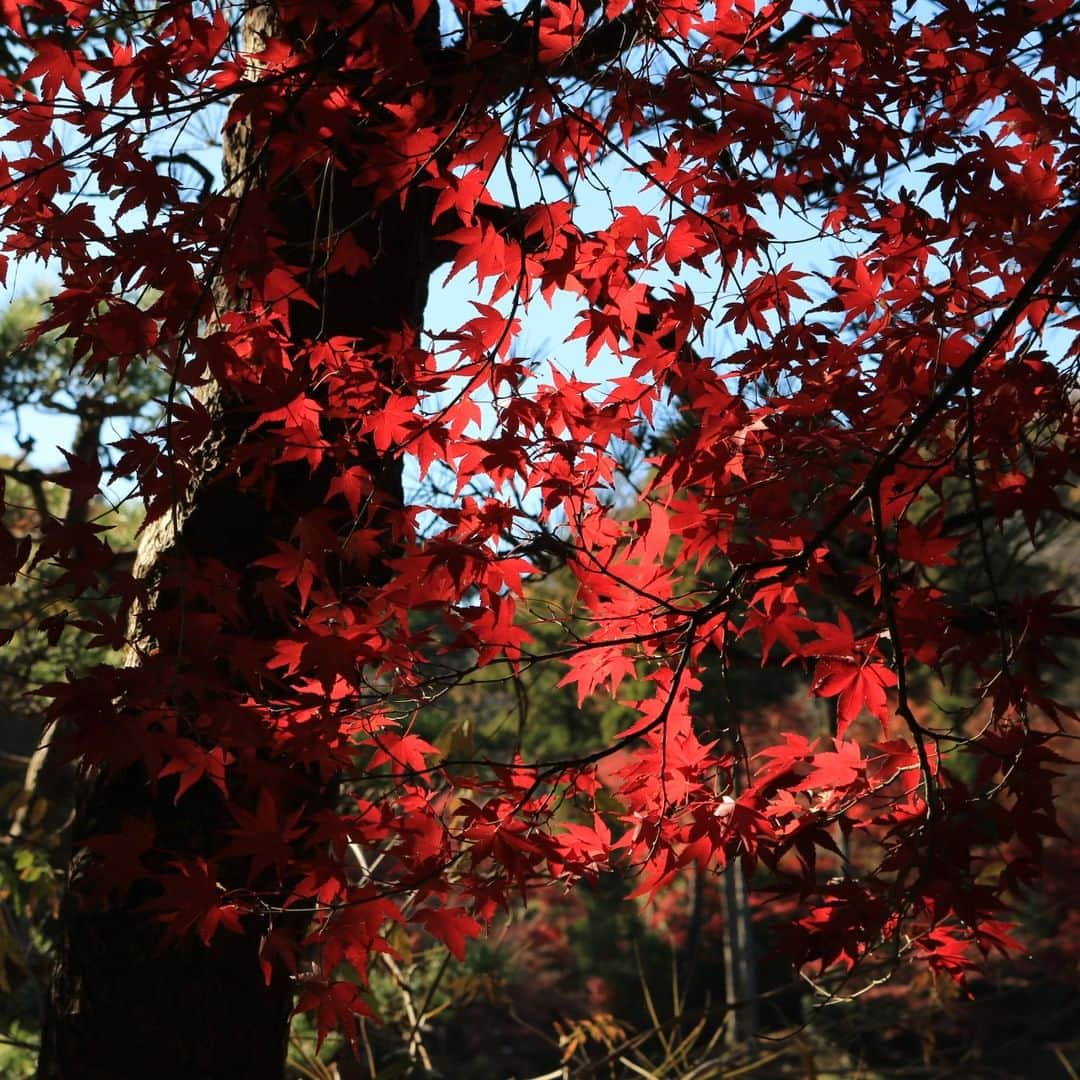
column 121, row 1006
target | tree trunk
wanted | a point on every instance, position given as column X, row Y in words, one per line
column 740, row 973
column 41, row 779
column 125, row 1003
column 740, row 955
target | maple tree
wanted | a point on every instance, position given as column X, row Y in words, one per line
column 836, row 241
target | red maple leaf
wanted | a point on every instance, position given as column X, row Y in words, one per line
column 858, row 685
column 266, row 835
column 452, row 926
column 336, row 1006
column 192, row 899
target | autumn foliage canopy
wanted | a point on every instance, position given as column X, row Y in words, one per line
column 805, row 283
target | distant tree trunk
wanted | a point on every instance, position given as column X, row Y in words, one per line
column 40, row 779
column 740, row 955
column 121, row 1005
column 740, row 959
